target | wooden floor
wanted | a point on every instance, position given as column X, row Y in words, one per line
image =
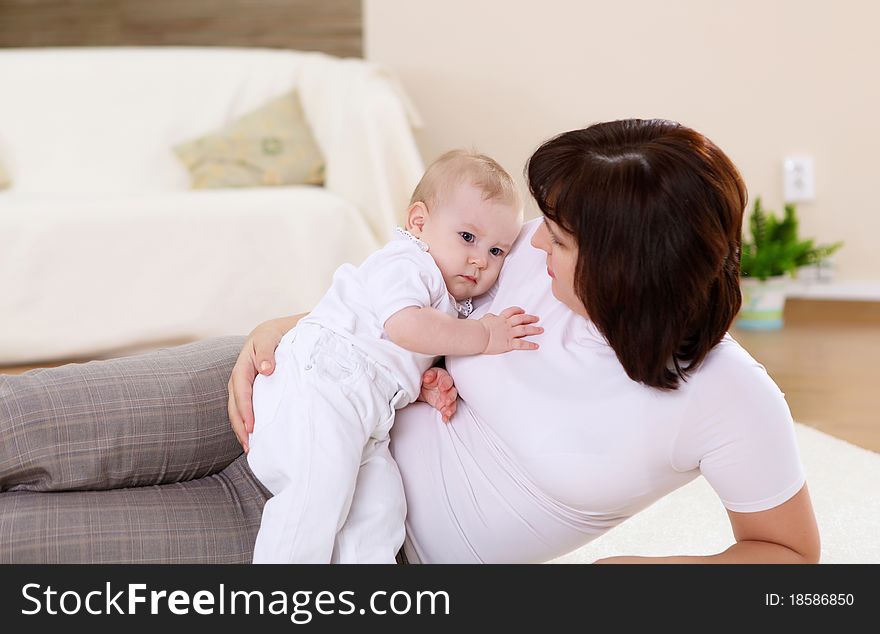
column 826, row 359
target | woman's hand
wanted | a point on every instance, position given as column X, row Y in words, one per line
column 258, row 353
column 439, row 392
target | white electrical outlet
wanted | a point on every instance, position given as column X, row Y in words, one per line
column 798, row 179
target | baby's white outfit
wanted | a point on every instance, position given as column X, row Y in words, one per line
column 320, row 441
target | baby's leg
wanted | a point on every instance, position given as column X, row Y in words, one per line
column 374, row 529
column 306, row 447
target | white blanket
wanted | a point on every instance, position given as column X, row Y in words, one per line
column 97, row 276
column 362, row 121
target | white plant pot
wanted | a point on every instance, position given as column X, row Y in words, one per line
column 763, row 302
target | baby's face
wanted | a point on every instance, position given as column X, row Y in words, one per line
column 468, row 237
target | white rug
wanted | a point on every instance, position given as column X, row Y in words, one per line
column 843, row 481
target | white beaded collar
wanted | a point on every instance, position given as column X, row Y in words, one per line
column 403, row 233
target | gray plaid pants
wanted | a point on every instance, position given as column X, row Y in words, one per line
column 128, row 460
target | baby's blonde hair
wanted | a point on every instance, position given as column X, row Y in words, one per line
column 457, row 166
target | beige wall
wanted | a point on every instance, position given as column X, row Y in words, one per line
column 762, row 78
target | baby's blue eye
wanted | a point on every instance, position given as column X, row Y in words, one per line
column 468, row 237
column 496, row 252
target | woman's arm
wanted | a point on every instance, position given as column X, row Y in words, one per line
column 785, row 534
column 259, row 349
column 258, row 353
column 430, row 331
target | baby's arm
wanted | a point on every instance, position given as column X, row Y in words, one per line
column 430, row 331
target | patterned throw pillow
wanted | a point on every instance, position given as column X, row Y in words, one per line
column 5, row 181
column 269, row 146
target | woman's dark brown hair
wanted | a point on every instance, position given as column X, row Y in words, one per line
column 656, row 210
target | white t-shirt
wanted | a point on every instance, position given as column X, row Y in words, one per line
column 551, row 448
column 362, row 298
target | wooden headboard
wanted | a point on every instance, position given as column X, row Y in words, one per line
column 330, row 26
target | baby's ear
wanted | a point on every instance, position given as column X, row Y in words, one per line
column 415, row 217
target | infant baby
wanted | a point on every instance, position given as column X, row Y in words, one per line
column 322, row 418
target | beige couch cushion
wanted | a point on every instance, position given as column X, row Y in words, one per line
column 272, row 145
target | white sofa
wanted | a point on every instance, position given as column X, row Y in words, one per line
column 103, row 245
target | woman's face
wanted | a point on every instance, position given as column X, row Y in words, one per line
column 562, row 253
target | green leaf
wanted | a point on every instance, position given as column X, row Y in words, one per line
column 774, row 247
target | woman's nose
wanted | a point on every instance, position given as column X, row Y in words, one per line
column 539, row 238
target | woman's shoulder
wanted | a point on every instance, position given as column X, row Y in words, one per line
column 729, row 357
column 730, row 375
column 739, row 432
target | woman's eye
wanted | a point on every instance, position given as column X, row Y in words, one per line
column 468, row 237
column 553, row 239
column 496, row 252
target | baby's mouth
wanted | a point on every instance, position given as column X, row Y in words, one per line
column 470, row 278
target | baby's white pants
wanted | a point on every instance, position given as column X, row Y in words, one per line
column 320, row 445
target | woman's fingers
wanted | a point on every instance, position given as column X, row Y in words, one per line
column 242, row 379
column 256, row 356
column 238, row 404
column 244, row 401
column 235, row 419
column 264, row 353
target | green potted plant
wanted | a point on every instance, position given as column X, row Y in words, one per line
column 771, row 256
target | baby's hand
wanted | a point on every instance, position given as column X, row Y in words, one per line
column 439, row 392
column 507, row 329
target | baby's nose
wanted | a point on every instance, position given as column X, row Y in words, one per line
column 478, row 262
